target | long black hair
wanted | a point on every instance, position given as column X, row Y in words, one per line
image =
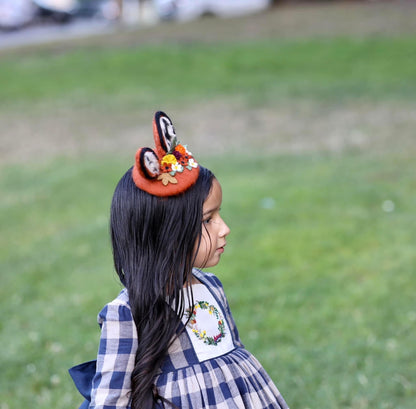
column 154, row 241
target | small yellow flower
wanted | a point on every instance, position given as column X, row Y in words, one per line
column 168, row 160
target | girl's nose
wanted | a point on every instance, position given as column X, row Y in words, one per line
column 225, row 230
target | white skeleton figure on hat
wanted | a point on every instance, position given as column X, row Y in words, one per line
column 168, row 132
column 151, row 162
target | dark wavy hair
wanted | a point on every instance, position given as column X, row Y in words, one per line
column 154, row 241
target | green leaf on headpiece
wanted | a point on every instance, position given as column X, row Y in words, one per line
column 174, row 144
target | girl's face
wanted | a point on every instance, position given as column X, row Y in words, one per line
column 214, row 230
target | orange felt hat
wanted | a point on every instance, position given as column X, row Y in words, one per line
column 168, row 170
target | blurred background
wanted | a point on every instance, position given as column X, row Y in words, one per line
column 306, row 113
column 18, row 14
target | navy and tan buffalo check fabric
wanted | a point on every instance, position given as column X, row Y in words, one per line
column 234, row 380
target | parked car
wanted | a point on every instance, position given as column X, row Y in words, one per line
column 191, row 9
column 58, row 10
column 16, row 13
column 105, row 9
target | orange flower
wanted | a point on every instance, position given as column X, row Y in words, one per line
column 181, row 149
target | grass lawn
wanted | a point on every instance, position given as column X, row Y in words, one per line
column 332, row 69
column 320, row 262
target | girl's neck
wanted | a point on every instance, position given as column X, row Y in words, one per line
column 194, row 280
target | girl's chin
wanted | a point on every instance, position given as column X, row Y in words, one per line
column 212, row 262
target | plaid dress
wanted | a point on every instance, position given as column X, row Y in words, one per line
column 207, row 366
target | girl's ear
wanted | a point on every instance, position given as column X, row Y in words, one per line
column 164, row 133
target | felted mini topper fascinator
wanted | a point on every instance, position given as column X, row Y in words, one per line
column 169, row 169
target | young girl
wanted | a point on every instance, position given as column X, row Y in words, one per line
column 169, row 340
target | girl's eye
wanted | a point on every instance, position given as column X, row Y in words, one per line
column 206, row 221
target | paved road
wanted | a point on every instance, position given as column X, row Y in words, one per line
column 52, row 32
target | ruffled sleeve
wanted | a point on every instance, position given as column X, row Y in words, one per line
column 111, row 386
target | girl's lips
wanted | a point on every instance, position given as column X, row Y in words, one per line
column 221, row 249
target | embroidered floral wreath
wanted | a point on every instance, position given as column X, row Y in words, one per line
column 202, row 334
column 168, row 170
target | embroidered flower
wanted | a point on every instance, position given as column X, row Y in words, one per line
column 168, row 159
column 192, row 164
column 181, row 149
column 177, row 167
column 177, row 155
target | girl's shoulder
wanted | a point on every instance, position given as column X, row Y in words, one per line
column 117, row 309
column 121, row 299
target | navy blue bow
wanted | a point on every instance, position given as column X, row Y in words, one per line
column 82, row 375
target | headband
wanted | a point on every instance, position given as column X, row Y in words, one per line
column 169, row 169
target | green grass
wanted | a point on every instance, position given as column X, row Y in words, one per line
column 259, row 71
column 318, row 275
